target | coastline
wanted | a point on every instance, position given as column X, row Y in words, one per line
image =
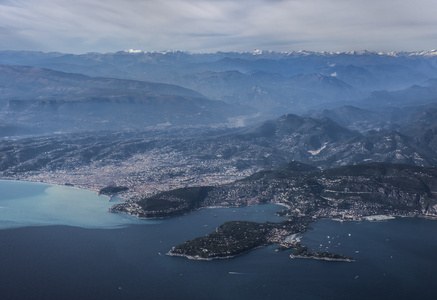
column 377, row 218
column 191, row 257
column 323, row 258
column 78, row 187
column 73, row 186
column 212, row 207
column 28, row 203
column 370, row 218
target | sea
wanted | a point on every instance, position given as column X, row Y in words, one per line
column 58, row 242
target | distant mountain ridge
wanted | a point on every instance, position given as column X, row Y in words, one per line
column 346, row 136
column 21, row 82
column 272, row 82
column 60, row 101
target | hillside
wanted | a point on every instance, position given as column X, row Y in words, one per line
column 349, row 192
column 59, row 101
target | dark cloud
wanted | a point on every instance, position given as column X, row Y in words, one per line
column 210, row 25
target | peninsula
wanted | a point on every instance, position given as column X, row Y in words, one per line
column 346, row 193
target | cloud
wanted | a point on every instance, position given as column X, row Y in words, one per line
column 210, row 25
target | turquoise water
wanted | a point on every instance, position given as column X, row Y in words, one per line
column 34, row 204
column 25, row 204
column 395, row 259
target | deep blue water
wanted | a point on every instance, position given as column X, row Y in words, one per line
column 395, row 259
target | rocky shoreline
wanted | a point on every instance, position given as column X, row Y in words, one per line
column 324, row 258
column 303, row 252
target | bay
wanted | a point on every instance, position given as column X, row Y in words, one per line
column 394, row 260
column 35, row 204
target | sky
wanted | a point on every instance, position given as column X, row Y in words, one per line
column 81, row 26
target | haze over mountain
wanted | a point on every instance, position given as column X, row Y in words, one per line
column 59, row 101
column 142, row 123
column 265, row 83
column 198, row 118
column 346, row 136
column 232, row 89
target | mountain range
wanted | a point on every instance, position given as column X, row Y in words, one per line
column 217, row 115
column 58, row 101
column 326, row 135
column 274, row 83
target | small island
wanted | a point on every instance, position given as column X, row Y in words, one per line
column 302, row 252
